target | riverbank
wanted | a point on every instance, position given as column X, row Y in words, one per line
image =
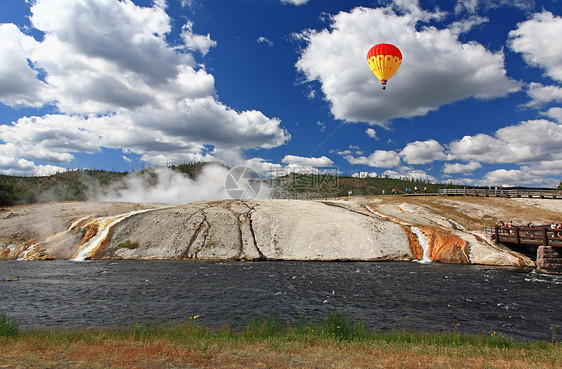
column 269, row 343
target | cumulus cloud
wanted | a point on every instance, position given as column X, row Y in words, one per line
column 534, row 144
column 371, row 133
column 365, row 175
column 336, row 58
column 291, row 164
column 406, row 172
column 538, row 39
column 520, row 177
column 423, row 152
column 19, row 82
column 453, row 168
column 294, row 2
column 301, row 164
column 117, row 83
column 554, row 113
column 378, row 159
column 10, row 165
column 474, row 6
column 526, row 142
column 196, row 42
column 542, row 95
column 304, row 161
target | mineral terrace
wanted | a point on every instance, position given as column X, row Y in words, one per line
column 449, row 230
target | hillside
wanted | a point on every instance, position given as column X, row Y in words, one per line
column 82, row 185
column 75, row 185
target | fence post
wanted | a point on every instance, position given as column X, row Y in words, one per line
column 517, row 238
column 497, row 234
column 544, row 236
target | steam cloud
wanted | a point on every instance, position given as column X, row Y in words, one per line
column 163, row 185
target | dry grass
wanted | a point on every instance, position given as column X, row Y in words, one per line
column 475, row 213
column 30, row 353
column 195, row 347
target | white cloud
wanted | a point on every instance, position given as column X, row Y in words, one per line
column 526, row 142
column 51, row 138
column 473, row 6
column 264, row 40
column 519, row 177
column 423, row 152
column 19, row 83
column 300, row 164
column 453, row 168
column 371, row 133
column 554, row 113
column 9, row 165
column 365, row 175
column 336, row 57
column 378, row 159
column 291, row 164
column 196, row 42
column 476, row 147
column 264, row 167
column 469, row 6
column 117, row 83
column 409, row 173
column 538, row 39
column 295, row 2
column 304, row 161
column 541, row 94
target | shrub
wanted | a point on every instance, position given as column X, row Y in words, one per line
column 264, row 328
column 128, row 244
column 337, row 326
column 8, row 327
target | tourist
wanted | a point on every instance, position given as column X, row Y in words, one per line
column 501, row 224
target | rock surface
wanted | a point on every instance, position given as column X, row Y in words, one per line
column 383, row 228
column 279, row 229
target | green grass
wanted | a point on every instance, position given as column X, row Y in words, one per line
column 334, row 327
column 334, row 342
column 8, row 327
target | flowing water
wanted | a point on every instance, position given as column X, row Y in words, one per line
column 515, row 302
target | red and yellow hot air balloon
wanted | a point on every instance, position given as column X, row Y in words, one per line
column 384, row 60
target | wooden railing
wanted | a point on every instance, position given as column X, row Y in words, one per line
column 486, row 192
column 538, row 236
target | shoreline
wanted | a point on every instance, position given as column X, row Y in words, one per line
column 334, row 343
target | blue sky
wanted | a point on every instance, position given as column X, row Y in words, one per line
column 284, row 85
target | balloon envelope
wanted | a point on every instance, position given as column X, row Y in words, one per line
column 384, row 60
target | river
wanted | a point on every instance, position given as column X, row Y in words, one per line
column 515, row 302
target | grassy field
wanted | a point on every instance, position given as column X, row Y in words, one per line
column 266, row 343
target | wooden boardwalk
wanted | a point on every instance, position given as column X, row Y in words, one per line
column 537, row 236
column 486, row 192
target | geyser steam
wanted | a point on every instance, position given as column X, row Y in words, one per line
column 164, row 185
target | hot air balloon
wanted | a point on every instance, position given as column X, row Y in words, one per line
column 384, row 60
